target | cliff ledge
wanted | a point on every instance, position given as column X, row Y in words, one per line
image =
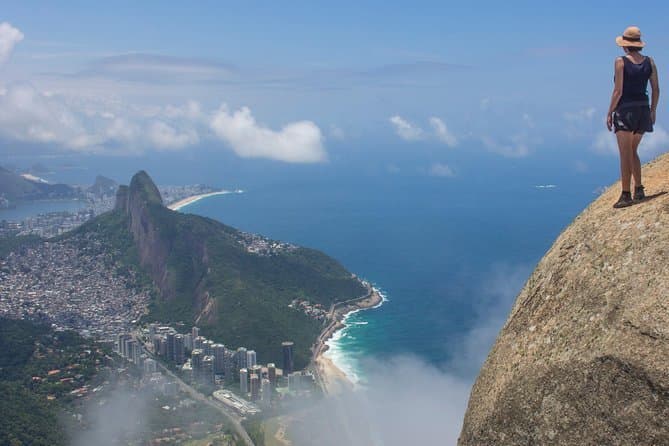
column 583, row 358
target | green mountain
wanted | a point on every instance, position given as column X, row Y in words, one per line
column 235, row 286
column 14, row 187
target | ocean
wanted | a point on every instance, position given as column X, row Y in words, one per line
column 444, row 251
column 449, row 253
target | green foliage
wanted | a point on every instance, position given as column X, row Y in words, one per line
column 28, row 352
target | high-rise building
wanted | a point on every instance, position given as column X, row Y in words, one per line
column 120, row 343
column 207, row 346
column 170, row 346
column 256, row 370
column 188, row 342
column 208, row 369
column 229, row 366
column 198, row 342
column 271, row 373
column 255, row 387
column 218, row 350
column 162, row 347
column 250, row 358
column 179, row 349
column 156, row 344
column 152, row 330
column 196, row 360
column 195, row 332
column 244, row 381
column 287, row 348
column 266, row 389
column 241, row 358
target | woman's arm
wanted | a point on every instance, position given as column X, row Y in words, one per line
column 617, row 91
column 655, row 86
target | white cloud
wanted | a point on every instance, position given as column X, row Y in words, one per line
column 297, row 142
column 409, row 131
column 442, row 133
column 651, row 145
column 9, row 37
column 441, row 170
column 518, row 147
column 164, row 136
column 406, row 130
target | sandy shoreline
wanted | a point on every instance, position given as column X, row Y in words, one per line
column 330, row 377
column 193, row 198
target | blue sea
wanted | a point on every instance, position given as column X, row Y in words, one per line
column 449, row 253
column 442, row 250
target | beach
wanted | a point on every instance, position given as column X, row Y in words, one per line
column 193, row 198
column 330, row 377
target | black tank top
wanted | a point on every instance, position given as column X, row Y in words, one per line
column 635, row 82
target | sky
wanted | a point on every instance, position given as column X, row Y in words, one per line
column 310, row 83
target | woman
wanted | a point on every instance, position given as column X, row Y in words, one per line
column 629, row 112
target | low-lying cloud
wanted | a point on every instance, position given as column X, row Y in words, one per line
column 408, row 401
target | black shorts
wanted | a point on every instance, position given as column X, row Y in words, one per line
column 635, row 119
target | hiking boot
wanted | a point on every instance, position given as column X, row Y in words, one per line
column 639, row 195
column 624, row 200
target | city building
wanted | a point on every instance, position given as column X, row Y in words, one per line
column 255, row 388
column 195, row 332
column 241, row 358
column 271, row 373
column 196, row 358
column 256, row 370
column 208, row 369
column 250, row 358
column 266, row 390
column 244, row 381
column 188, row 342
column 218, row 350
column 170, row 346
column 179, row 349
column 288, row 365
column 207, row 346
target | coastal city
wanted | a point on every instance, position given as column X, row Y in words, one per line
column 72, row 285
column 94, row 201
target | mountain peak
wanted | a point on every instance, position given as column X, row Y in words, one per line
column 582, row 358
column 142, row 186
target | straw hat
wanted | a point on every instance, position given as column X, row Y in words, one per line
column 631, row 37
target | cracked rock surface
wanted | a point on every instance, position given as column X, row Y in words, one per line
column 583, row 358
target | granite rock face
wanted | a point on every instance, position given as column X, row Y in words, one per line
column 583, row 358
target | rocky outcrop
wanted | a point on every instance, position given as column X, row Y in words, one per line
column 583, row 358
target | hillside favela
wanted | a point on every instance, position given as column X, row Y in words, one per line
column 266, row 224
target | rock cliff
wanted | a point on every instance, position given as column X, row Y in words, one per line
column 583, row 358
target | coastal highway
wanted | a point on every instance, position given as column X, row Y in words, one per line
column 234, row 420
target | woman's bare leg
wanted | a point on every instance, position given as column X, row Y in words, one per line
column 636, row 162
column 626, row 158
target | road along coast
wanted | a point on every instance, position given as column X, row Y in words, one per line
column 330, row 377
